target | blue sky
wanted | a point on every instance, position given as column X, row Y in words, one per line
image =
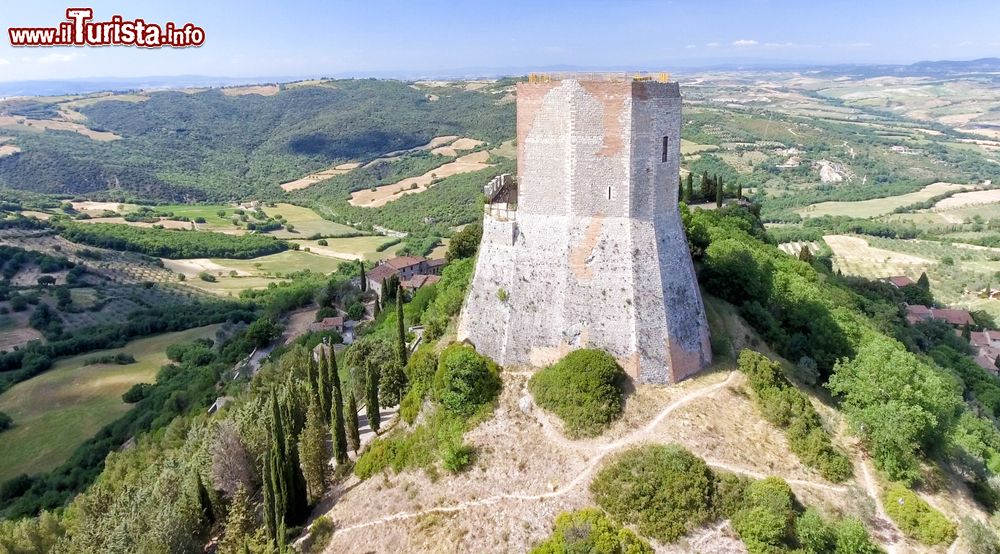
column 299, row 38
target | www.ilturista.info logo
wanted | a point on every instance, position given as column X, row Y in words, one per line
column 80, row 30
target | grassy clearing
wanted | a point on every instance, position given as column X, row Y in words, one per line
column 691, row 147
column 877, row 206
column 284, row 262
column 305, row 221
column 59, row 409
column 353, row 248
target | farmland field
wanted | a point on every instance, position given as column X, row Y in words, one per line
column 387, row 193
column 56, row 411
column 878, row 206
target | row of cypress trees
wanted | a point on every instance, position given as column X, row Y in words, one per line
column 296, row 466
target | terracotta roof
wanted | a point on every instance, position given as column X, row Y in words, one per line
column 418, row 281
column 327, row 323
column 955, row 317
column 381, row 272
column 403, row 262
column 901, row 281
column 436, row 262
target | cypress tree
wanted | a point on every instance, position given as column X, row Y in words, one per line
column 383, row 297
column 240, row 522
column 205, row 501
column 400, row 329
column 314, row 452
column 351, row 423
column 923, row 282
column 361, row 272
column 805, row 254
column 680, row 189
column 706, row 186
column 718, row 194
column 337, row 418
column 313, row 374
column 270, row 516
column 323, row 385
column 966, row 332
column 371, row 400
column 689, row 188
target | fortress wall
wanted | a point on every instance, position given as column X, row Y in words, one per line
column 579, row 269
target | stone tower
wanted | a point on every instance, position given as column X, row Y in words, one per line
column 586, row 247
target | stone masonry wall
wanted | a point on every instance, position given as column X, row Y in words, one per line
column 576, row 267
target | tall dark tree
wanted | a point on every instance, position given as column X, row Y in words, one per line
column 314, row 452
column 400, row 329
column 383, row 296
column 923, row 282
column 805, row 254
column 351, row 423
column 312, row 372
column 205, row 502
column 718, row 193
column 706, row 186
column 689, row 187
column 371, row 399
column 967, row 332
column 739, row 191
column 324, row 385
column 361, row 273
column 337, row 417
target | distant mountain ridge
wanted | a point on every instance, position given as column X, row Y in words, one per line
column 926, row 68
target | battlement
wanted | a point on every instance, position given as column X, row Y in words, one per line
column 606, row 76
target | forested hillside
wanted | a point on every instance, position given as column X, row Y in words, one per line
column 208, row 145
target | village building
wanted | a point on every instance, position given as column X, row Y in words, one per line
column 328, row 324
column 915, row 313
column 900, row 281
column 987, row 346
column 412, row 271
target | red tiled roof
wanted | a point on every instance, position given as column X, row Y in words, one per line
column 953, row 316
column 901, row 280
column 403, row 262
column 381, row 272
column 418, row 281
column 436, row 262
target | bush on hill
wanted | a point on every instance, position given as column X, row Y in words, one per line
column 584, row 389
column 787, row 408
column 664, row 490
column 916, row 518
column 589, row 530
column 465, row 380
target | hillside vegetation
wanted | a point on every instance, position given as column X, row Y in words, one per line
column 209, row 146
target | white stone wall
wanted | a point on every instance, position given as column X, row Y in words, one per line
column 578, row 268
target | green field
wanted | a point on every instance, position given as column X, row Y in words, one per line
column 305, row 221
column 354, row 247
column 285, row 262
column 877, row 206
column 56, row 411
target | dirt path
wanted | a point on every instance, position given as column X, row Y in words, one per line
column 884, row 530
column 600, row 452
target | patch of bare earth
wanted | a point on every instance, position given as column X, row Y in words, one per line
column 314, row 178
column 193, row 266
column 964, row 199
column 527, row 472
column 263, row 90
column 56, row 125
column 8, row 150
column 387, row 193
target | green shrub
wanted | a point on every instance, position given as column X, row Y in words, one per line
column 465, row 380
column 916, row 518
column 590, row 531
column 815, row 534
column 787, row 407
column 320, row 532
column 584, row 389
column 456, row 457
column 6, row 422
column 853, row 538
column 664, row 490
column 413, row 400
column 729, row 496
column 767, row 520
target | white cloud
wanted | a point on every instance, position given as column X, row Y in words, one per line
column 690, row 47
column 712, row 45
column 744, row 42
column 58, row 58
column 4, row 62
